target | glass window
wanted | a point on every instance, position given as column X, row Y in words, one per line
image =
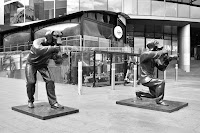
column 159, row 29
column 139, row 27
column 168, row 45
column 138, row 34
column 158, row 35
column 174, row 47
column 167, row 29
column 171, row 10
column 135, row 7
column 86, row 5
column 100, row 5
column 129, row 27
column 183, row 11
column 128, row 6
column 144, row 7
column 194, row 12
column 150, row 28
column 72, row 6
column 19, row 38
column 46, row 8
column 149, row 35
column 97, row 30
column 115, row 5
column 61, row 7
column 138, row 44
column 158, row 8
column 13, row 13
column 68, row 29
column 174, row 30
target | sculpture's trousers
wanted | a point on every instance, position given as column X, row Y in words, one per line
column 156, row 89
column 31, row 78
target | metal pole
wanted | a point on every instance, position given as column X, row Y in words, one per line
column 20, row 60
column 135, row 75
column 80, row 77
column 1, row 66
column 164, row 75
column 176, row 72
column 113, row 76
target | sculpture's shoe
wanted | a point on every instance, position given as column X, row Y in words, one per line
column 138, row 95
column 57, row 106
column 30, row 105
column 162, row 103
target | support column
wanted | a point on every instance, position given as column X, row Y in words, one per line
column 184, row 47
column 2, row 12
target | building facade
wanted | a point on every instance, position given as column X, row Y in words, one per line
column 174, row 23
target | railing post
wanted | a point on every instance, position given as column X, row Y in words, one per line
column 1, row 61
column 176, row 72
column 20, row 60
column 113, row 76
column 10, row 48
column 80, row 77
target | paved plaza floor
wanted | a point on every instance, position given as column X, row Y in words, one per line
column 98, row 111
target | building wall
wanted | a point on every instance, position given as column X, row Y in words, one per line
column 152, row 9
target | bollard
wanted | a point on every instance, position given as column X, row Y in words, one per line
column 135, row 75
column 176, row 72
column 164, row 75
column 80, row 77
column 113, row 76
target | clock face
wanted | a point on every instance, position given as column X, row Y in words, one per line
column 118, row 32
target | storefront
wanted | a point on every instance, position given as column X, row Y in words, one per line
column 97, row 38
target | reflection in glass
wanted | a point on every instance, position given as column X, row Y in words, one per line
column 61, row 7
column 68, row 29
column 20, row 38
column 86, row 5
column 183, row 11
column 144, row 7
column 100, row 4
column 171, row 9
column 158, row 8
column 13, row 13
column 174, row 47
column 167, row 45
column 98, row 30
column 138, row 44
column 167, row 29
column 72, row 6
column 115, row 5
column 128, row 6
column 119, row 67
column 48, row 7
column 194, row 12
column 135, row 7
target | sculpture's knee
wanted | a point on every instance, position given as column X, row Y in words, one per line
column 30, row 84
column 50, row 84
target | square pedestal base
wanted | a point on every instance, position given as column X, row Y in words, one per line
column 44, row 111
column 150, row 104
